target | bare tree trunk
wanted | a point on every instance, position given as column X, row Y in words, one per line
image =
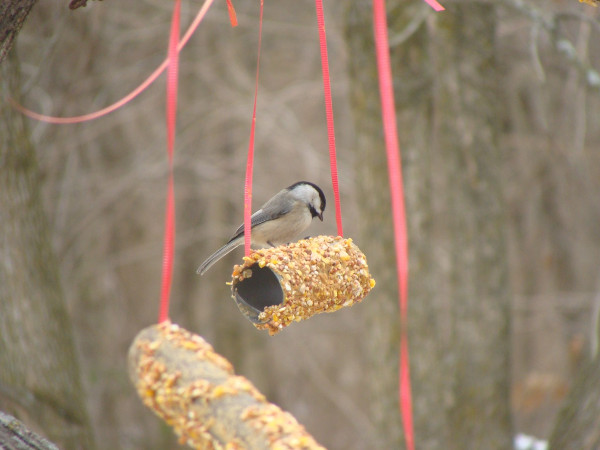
column 39, row 379
column 12, row 16
column 578, row 423
column 447, row 100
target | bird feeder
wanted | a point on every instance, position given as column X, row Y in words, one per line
column 178, row 375
column 289, row 283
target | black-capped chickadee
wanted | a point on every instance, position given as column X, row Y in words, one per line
column 279, row 221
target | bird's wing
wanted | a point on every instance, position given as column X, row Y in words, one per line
column 273, row 209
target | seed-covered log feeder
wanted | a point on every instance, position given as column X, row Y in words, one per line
column 179, row 376
column 279, row 285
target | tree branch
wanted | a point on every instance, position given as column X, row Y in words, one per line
column 12, row 17
column 14, row 435
column 551, row 24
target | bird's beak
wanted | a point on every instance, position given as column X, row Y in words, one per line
column 320, row 216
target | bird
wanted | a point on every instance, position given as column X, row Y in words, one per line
column 279, row 221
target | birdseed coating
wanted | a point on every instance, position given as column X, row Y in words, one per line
column 194, row 390
column 316, row 275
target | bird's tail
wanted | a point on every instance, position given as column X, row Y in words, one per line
column 218, row 255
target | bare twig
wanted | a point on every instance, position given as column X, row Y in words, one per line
column 77, row 4
column 14, row 435
column 551, row 24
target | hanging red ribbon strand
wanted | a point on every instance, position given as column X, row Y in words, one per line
column 250, row 160
column 435, row 5
column 232, row 14
column 171, row 113
column 329, row 115
column 133, row 94
column 388, row 111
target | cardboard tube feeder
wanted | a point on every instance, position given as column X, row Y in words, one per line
column 289, row 283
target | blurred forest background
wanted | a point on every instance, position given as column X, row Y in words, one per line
column 103, row 188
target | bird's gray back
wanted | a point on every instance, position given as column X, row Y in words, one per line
column 275, row 207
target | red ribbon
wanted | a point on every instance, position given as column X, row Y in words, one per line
column 232, row 14
column 250, row 160
column 435, row 5
column 329, row 115
column 169, row 238
column 133, row 94
column 388, row 111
